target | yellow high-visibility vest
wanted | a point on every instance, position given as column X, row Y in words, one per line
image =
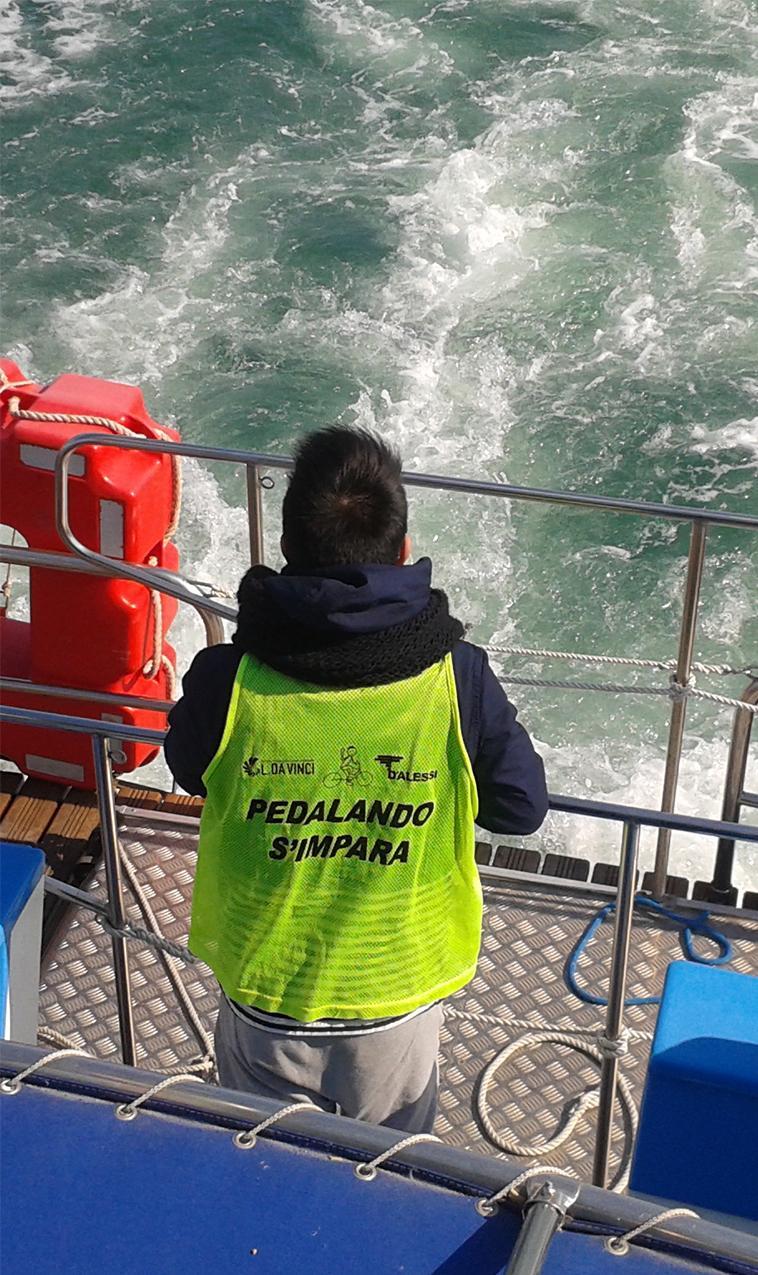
column 336, row 874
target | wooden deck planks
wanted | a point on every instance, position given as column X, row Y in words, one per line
column 31, row 811
column 10, row 782
column 71, row 829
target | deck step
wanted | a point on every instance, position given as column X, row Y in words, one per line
column 702, row 891
column 677, row 887
column 517, row 859
column 177, row 803
column 141, row 798
column 608, row 874
column 566, row 867
column 483, row 853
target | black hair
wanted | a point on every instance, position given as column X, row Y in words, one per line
column 345, row 503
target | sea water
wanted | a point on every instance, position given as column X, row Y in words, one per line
column 518, row 239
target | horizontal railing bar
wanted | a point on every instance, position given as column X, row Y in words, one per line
column 749, row 799
column 651, row 818
column 558, row 802
column 70, row 894
column 80, row 725
column 20, row 556
column 469, row 486
column 19, row 685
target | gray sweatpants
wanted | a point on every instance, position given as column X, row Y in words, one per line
column 387, row 1077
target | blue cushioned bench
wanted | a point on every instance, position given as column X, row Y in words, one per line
column 698, row 1135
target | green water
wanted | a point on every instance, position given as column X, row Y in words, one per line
column 518, row 239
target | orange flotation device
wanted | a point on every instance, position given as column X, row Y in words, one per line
column 86, row 632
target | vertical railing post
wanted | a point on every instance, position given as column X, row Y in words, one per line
column 255, row 514
column 614, row 1018
column 106, row 803
column 547, row 1204
column 695, row 561
column 721, row 889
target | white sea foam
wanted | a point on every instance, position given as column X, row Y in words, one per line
column 27, row 73
column 79, row 27
column 741, row 435
column 489, row 233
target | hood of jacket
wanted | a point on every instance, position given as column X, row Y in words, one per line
column 349, row 601
column 349, row 626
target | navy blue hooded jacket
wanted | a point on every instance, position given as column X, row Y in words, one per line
column 351, row 603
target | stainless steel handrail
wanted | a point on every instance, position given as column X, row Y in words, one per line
column 632, row 819
column 22, row 686
column 441, row 482
column 735, row 797
column 254, row 462
column 20, row 556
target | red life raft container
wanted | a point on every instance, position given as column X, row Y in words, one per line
column 85, row 632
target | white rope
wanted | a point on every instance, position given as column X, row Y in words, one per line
column 7, row 384
column 615, row 688
column 675, row 691
column 619, row 1244
column 153, row 665
column 367, row 1170
column 247, row 1138
column 524, row 1024
column 12, row 1084
column 154, row 938
column 170, row 672
column 6, row 588
column 577, row 657
column 49, row 1036
column 724, row 699
column 489, row 1205
column 128, row 1110
column 585, row 1102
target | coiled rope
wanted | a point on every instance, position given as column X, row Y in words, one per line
column 580, row 1107
column 690, row 926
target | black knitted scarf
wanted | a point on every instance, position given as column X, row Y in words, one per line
column 368, row 659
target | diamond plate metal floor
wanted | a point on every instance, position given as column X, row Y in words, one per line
column 528, row 935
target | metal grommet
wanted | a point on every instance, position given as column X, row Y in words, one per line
column 617, row 1245
column 267, row 482
column 10, row 1085
column 245, row 1139
column 125, row 1112
column 365, row 1171
column 485, row 1209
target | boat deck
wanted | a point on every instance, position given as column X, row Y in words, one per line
column 531, row 926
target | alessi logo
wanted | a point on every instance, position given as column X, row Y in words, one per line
column 395, row 770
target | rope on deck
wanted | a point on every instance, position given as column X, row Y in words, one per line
column 206, row 1063
column 585, row 1102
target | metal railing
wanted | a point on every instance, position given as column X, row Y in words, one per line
column 632, row 819
column 255, row 463
column 21, row 556
column 735, row 797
